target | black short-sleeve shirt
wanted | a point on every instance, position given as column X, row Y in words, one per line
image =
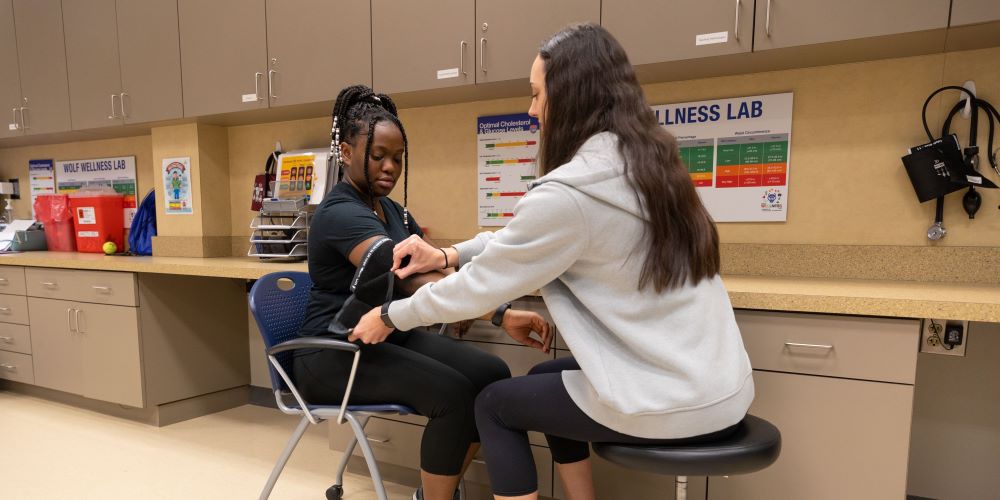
column 340, row 223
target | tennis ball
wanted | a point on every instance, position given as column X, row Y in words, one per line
column 110, row 248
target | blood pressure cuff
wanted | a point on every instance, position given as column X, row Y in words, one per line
column 372, row 285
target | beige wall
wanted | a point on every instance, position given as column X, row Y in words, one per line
column 14, row 162
column 851, row 125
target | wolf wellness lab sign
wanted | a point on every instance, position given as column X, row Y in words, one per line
column 116, row 173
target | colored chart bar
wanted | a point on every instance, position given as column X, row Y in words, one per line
column 497, row 215
column 512, row 144
column 752, row 161
column 492, row 179
column 510, row 162
column 495, row 194
column 698, row 156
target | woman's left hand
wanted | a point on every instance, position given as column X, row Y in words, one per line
column 371, row 329
column 520, row 324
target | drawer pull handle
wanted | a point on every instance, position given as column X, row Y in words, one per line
column 378, row 440
column 105, row 289
column 49, row 284
column 4, row 309
column 69, row 320
column 809, row 346
column 4, row 281
column 479, row 461
column 7, row 340
column 9, row 368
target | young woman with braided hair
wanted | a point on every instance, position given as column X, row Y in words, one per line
column 436, row 375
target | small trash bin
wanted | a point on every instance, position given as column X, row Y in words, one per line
column 53, row 211
column 99, row 217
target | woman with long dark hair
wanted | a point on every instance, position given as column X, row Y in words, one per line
column 627, row 260
column 436, row 375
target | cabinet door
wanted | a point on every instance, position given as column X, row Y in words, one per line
column 110, row 354
column 148, row 42
column 422, row 45
column 55, row 346
column 223, row 55
column 41, row 53
column 653, row 31
column 965, row 12
column 92, row 63
column 840, row 439
column 788, row 23
column 10, row 81
column 508, row 37
column 308, row 61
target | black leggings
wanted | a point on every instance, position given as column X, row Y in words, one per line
column 539, row 402
column 437, row 376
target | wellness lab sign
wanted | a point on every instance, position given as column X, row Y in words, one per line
column 116, row 173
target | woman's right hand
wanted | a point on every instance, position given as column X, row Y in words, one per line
column 423, row 256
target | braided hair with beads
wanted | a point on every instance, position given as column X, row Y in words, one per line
column 356, row 108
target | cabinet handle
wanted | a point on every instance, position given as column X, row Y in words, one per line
column 9, row 368
column 69, row 319
column 76, row 313
column 24, row 123
column 48, row 284
column 736, row 28
column 113, row 115
column 256, row 85
column 461, row 57
column 121, row 99
column 378, row 440
column 4, row 309
column 270, row 83
column 482, row 54
column 790, row 345
column 767, row 19
column 479, row 461
column 105, row 289
column 4, row 281
column 13, row 115
column 7, row 340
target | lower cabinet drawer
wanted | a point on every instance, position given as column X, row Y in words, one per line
column 392, row 442
column 14, row 309
column 519, row 358
column 16, row 338
column 840, row 439
column 17, row 367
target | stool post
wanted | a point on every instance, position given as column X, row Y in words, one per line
column 681, row 488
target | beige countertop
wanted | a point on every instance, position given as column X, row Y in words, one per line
column 218, row 267
column 909, row 299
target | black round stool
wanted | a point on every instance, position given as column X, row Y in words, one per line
column 754, row 446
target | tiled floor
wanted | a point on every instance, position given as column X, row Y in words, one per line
column 53, row 451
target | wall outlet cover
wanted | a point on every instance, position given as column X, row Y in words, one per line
column 932, row 337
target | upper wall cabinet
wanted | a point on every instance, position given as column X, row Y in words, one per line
column 150, row 60
column 788, row 23
column 315, row 48
column 123, row 61
column 423, row 45
column 41, row 53
column 508, row 38
column 965, row 12
column 95, row 84
column 223, row 55
column 10, row 82
column 654, row 31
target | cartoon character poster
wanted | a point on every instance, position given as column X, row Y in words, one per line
column 177, row 186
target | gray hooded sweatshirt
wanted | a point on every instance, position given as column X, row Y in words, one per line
column 653, row 365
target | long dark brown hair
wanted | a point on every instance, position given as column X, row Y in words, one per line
column 591, row 87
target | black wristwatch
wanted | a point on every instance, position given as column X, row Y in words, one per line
column 385, row 315
column 497, row 319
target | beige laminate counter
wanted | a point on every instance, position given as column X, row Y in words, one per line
column 907, row 299
column 219, row 267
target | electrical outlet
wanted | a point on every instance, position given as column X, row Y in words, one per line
column 943, row 336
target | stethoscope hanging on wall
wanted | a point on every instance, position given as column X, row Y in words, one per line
column 942, row 166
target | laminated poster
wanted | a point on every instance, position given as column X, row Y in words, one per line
column 117, row 173
column 42, row 180
column 177, row 186
column 737, row 152
column 507, row 147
